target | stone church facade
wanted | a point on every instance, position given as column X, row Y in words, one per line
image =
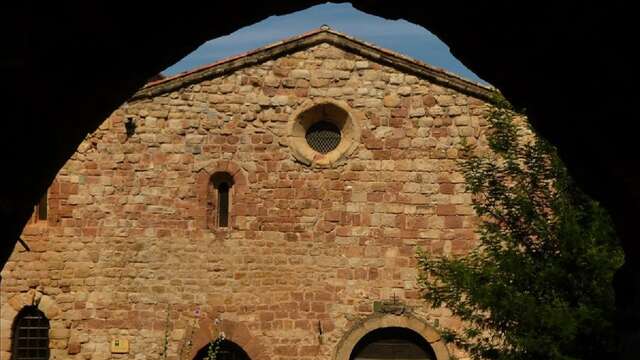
column 277, row 198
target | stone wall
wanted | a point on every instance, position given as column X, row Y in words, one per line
column 310, row 249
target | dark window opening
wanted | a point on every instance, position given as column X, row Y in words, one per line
column 220, row 199
column 323, row 137
column 223, row 205
column 40, row 211
column 30, row 335
column 392, row 343
column 43, row 207
column 228, row 350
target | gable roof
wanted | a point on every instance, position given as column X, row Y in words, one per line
column 323, row 34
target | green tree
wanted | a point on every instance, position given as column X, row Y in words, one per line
column 539, row 285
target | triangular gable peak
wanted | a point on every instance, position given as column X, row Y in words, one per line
column 324, row 34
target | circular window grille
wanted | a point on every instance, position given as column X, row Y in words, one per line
column 323, row 136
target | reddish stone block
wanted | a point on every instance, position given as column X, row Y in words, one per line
column 453, row 222
column 309, row 350
column 266, row 316
column 400, row 112
column 375, row 197
column 73, row 347
column 286, row 350
column 446, row 209
column 373, row 274
column 447, row 188
column 373, row 144
column 429, row 100
column 365, row 308
column 333, row 216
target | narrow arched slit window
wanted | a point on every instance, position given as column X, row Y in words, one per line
column 223, row 204
column 222, row 183
column 30, row 335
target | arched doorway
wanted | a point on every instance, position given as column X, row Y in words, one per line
column 392, row 343
column 391, row 332
column 228, row 350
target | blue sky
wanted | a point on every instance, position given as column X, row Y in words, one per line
column 398, row 35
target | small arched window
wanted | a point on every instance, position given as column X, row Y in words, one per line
column 220, row 198
column 30, row 335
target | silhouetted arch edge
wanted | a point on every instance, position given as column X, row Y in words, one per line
column 357, row 332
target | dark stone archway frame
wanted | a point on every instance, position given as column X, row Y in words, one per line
column 572, row 65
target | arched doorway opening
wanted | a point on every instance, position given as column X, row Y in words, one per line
column 392, row 343
column 228, row 350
